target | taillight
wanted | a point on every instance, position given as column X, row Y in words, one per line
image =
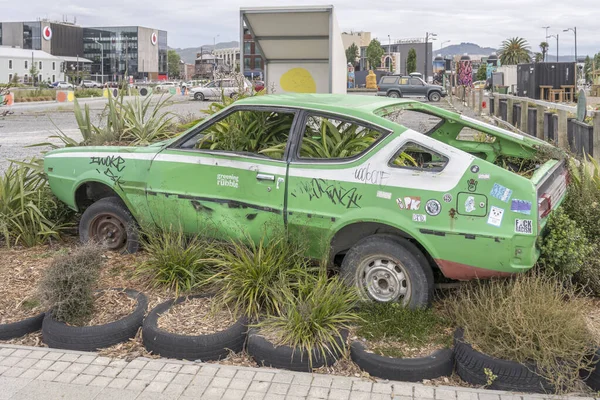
column 544, row 205
column 378, row 88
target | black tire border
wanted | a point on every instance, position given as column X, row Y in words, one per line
column 91, row 338
column 267, row 354
column 20, row 328
column 210, row 347
column 511, row 375
column 592, row 378
column 439, row 363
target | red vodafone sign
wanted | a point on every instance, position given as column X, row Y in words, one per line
column 47, row 33
column 154, row 38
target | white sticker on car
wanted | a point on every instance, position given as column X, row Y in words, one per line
column 419, row 218
column 495, row 218
column 228, row 180
column 524, row 226
column 384, row 195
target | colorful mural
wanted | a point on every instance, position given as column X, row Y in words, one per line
column 465, row 73
column 439, row 67
column 65, row 96
column 298, row 80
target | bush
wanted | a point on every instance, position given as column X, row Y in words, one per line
column 251, row 277
column 312, row 315
column 81, row 93
column 176, row 261
column 29, row 212
column 565, row 248
column 67, row 286
column 530, row 318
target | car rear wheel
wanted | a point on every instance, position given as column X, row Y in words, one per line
column 386, row 270
column 435, row 97
column 394, row 95
column 109, row 223
column 198, row 96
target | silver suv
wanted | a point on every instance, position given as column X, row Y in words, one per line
column 409, row 86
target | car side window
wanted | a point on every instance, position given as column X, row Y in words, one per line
column 416, row 82
column 387, row 80
column 251, row 132
column 415, row 156
column 403, row 81
column 467, row 134
column 331, row 138
column 416, row 120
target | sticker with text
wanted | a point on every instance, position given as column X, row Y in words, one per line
column 419, row 217
column 524, row 226
column 521, row 206
column 470, row 204
column 433, row 207
column 400, row 204
column 447, row 198
column 384, row 195
column 495, row 218
column 472, row 185
column 484, row 177
column 228, row 180
column 412, row 203
column 501, row 193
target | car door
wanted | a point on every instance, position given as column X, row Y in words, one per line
column 417, row 87
column 213, row 182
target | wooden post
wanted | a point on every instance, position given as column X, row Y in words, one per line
column 524, row 116
column 540, row 121
column 596, row 135
column 451, row 89
column 480, row 106
column 562, row 129
column 496, row 104
column 473, row 99
column 509, row 110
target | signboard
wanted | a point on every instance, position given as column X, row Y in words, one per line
column 154, row 39
column 47, row 33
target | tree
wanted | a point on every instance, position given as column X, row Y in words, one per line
column 15, row 80
column 544, row 48
column 514, row 51
column 33, row 71
column 411, row 61
column 374, row 53
column 174, row 60
column 482, row 72
column 352, row 54
column 587, row 69
column 538, row 57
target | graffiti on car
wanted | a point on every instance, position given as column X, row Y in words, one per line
column 321, row 188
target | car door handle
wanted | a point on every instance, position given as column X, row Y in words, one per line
column 265, row 177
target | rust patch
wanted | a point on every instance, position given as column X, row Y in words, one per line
column 463, row 272
column 250, row 217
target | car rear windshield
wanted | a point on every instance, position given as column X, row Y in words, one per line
column 414, row 119
column 388, row 80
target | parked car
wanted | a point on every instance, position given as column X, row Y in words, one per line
column 61, row 85
column 259, row 85
column 220, row 88
column 409, row 86
column 91, row 84
column 479, row 85
column 166, row 85
column 402, row 198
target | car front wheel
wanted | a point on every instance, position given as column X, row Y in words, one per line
column 388, row 269
column 435, row 97
column 198, row 96
column 394, row 95
column 109, row 223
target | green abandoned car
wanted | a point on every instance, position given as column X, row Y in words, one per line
column 392, row 188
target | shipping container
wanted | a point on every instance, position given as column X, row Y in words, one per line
column 531, row 76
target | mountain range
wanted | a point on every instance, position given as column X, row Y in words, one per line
column 188, row 54
column 460, row 49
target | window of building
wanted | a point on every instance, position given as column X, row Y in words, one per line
column 26, row 65
column 247, row 47
column 39, row 77
column 25, row 78
column 53, row 78
column 258, row 63
column 413, row 155
column 331, row 138
column 10, row 76
column 251, row 132
column 53, row 66
column 416, row 120
column 9, row 64
column 40, row 65
column 247, row 62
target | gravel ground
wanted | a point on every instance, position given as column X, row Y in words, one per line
column 34, row 123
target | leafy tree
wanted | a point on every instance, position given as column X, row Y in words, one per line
column 15, row 80
column 514, row 51
column 538, row 57
column 587, row 69
column 544, row 48
column 352, row 54
column 374, row 53
column 33, row 71
column 411, row 61
column 482, row 72
column 173, row 60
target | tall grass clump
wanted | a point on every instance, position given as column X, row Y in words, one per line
column 313, row 315
column 532, row 318
column 67, row 286
column 176, row 261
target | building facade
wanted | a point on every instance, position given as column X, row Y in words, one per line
column 230, row 56
column 402, row 47
column 58, row 39
column 22, row 63
column 253, row 61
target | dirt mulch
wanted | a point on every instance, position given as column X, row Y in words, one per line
column 195, row 317
column 394, row 348
column 111, row 306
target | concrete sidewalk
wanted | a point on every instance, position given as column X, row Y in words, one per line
column 42, row 373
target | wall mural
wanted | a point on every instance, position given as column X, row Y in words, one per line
column 298, row 80
column 465, row 73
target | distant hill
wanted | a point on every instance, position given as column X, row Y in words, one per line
column 460, row 49
column 188, row 54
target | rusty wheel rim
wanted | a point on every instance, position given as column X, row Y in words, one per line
column 109, row 230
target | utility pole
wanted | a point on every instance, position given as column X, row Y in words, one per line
column 546, row 54
column 101, row 57
column 575, row 32
column 555, row 36
column 432, row 36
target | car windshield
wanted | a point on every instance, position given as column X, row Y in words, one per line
column 212, row 84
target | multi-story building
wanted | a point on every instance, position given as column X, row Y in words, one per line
column 207, row 65
column 230, row 56
column 402, row 47
column 21, row 63
column 253, row 61
column 360, row 39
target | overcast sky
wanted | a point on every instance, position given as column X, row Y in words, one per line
column 485, row 22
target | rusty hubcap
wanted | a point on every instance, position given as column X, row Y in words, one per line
column 108, row 230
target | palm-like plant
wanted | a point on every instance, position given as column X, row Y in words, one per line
column 544, row 48
column 514, row 51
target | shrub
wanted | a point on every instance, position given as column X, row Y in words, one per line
column 312, row 315
column 145, row 124
column 251, row 277
column 176, row 261
column 67, row 286
column 81, row 93
column 565, row 248
column 29, row 212
column 530, row 318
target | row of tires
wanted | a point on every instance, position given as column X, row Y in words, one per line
column 470, row 364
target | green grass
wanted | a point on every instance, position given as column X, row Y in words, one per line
column 30, row 304
column 387, row 323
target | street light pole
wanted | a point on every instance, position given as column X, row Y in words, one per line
column 546, row 28
column 555, row 36
column 575, row 32
column 444, row 42
column 101, row 57
column 427, row 36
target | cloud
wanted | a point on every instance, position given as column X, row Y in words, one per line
column 485, row 22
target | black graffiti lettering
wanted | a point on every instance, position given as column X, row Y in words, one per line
column 116, row 162
column 374, row 177
column 115, row 178
column 319, row 188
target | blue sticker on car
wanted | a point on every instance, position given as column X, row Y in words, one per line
column 501, row 193
column 521, row 206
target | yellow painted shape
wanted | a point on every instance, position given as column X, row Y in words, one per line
column 70, row 96
column 298, row 80
column 105, row 93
